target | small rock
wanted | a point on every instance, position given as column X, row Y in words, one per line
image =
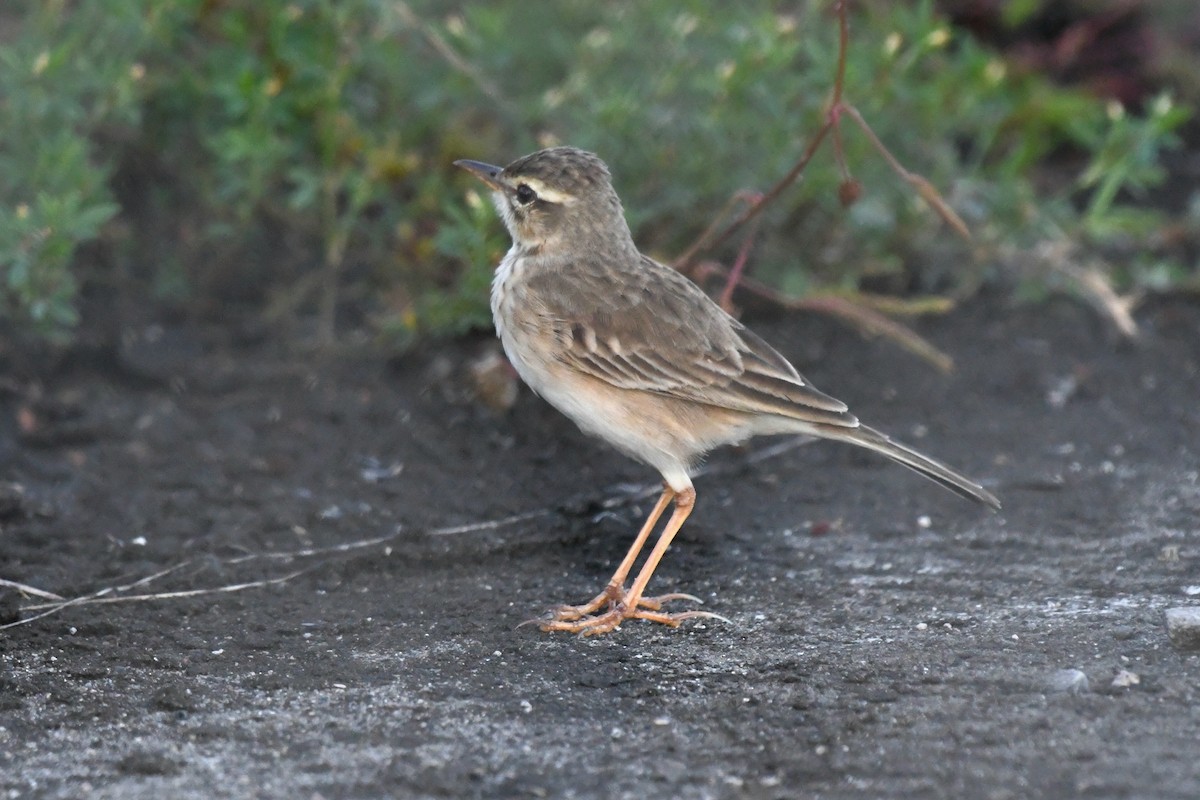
column 172, row 697
column 13, row 503
column 494, row 381
column 373, row 471
column 147, row 762
column 1062, row 391
column 1073, row 681
column 1183, row 626
column 1124, row 632
column 1125, row 679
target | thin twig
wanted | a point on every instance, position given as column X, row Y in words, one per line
column 308, row 552
column 839, row 77
column 30, row 590
column 708, row 241
column 56, row 608
column 923, row 187
column 489, row 525
column 155, row 576
column 873, row 323
column 1058, row 255
column 739, row 266
column 97, row 599
column 741, row 196
column 917, row 306
column 1096, row 286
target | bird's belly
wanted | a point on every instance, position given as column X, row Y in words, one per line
column 669, row 434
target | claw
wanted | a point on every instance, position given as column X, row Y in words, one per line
column 666, row 598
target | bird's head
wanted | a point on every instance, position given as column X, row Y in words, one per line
column 556, row 198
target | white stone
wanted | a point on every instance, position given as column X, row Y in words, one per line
column 1183, row 626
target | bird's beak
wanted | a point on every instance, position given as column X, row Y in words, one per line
column 485, row 172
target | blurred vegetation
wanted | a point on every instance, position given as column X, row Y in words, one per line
column 294, row 157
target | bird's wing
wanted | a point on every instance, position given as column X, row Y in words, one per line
column 654, row 330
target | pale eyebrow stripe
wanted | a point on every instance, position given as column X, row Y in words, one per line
column 546, row 193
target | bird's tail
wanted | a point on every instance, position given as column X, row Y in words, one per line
column 934, row 470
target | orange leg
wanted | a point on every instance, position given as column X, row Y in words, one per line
column 614, row 592
column 631, row 604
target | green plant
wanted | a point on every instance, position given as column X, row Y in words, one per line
column 63, row 80
column 727, row 98
column 295, row 155
column 317, row 123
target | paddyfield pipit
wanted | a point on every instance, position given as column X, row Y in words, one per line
column 638, row 355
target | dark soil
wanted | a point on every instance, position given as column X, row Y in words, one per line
column 886, row 639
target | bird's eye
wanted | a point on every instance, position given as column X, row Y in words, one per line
column 525, row 195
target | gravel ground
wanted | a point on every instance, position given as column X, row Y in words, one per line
column 886, row 639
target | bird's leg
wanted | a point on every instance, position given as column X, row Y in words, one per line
column 632, row 605
column 614, row 592
column 684, row 501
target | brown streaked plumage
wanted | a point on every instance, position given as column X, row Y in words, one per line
column 638, row 355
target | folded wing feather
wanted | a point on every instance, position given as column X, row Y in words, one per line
column 660, row 333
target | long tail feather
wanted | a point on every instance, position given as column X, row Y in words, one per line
column 922, row 464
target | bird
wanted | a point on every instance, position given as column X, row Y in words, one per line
column 639, row 356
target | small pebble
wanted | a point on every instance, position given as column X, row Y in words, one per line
column 1183, row 626
column 1125, row 679
column 1062, row 391
column 1073, row 681
column 494, row 381
column 13, row 503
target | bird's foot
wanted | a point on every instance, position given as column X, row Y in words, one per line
column 584, row 619
column 613, row 597
column 593, row 624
